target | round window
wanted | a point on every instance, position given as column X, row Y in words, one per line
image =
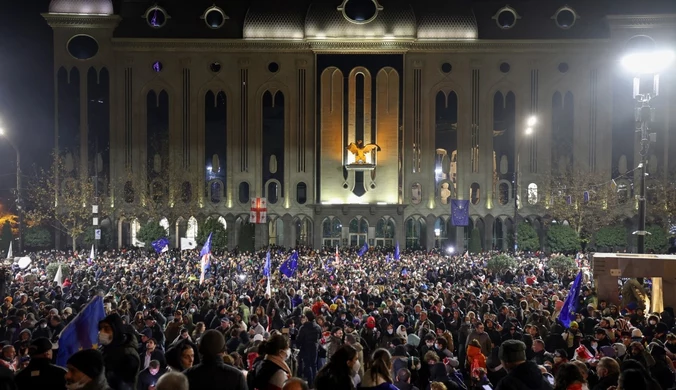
column 273, row 67
column 360, row 11
column 215, row 67
column 214, row 17
column 563, row 67
column 157, row 66
column 505, row 67
column 156, row 17
column 446, row 67
column 506, row 17
column 82, row 47
column 565, row 18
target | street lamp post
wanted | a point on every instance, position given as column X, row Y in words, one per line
column 645, row 63
column 19, row 202
column 532, row 121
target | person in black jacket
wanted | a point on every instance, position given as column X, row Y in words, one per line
column 338, row 372
column 150, row 376
column 522, row 375
column 119, row 353
column 212, row 373
column 40, row 372
column 307, row 342
column 152, row 353
column 608, row 371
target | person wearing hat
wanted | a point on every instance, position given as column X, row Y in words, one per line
column 86, row 371
column 521, row 374
column 120, row 354
column 40, row 372
column 212, row 373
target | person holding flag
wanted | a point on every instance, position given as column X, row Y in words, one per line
column 204, row 255
column 396, row 251
column 161, row 245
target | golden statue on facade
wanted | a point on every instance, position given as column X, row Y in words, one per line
column 359, row 151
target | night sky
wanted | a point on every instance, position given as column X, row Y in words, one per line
column 26, row 89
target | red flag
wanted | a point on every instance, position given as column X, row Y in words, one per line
column 337, row 256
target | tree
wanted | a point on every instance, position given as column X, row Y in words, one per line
column 657, row 241
column 528, row 239
column 53, row 268
column 475, row 241
column 500, row 264
column 219, row 238
column 6, row 236
column 106, row 241
column 562, row 265
column 170, row 193
column 565, row 197
column 562, row 239
column 37, row 237
column 611, row 238
column 150, row 232
column 62, row 197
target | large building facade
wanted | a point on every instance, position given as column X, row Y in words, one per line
column 263, row 99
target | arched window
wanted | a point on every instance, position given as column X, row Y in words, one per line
column 416, row 193
column 385, row 232
column 475, row 193
column 129, row 192
column 359, row 228
column 244, row 192
column 215, row 191
column 273, row 192
column 332, row 231
column 503, row 193
column 414, row 232
column 186, row 192
column 301, row 193
column 191, row 232
column 440, row 233
column 532, row 193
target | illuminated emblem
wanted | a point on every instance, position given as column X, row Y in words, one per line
column 359, row 151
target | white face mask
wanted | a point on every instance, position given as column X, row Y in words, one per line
column 43, row 326
column 355, row 367
column 653, row 322
column 76, row 385
column 595, row 345
column 437, row 346
column 390, row 331
column 105, row 338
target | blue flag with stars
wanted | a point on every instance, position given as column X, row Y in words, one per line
column 363, row 249
column 396, row 251
column 290, row 265
column 161, row 245
column 82, row 332
column 206, row 249
column 459, row 212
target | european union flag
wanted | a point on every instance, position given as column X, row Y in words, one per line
column 290, row 265
column 363, row 249
column 82, row 332
column 161, row 245
column 206, row 249
column 396, row 251
column 266, row 268
column 460, row 212
column 568, row 310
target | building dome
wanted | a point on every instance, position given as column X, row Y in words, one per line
column 81, row 7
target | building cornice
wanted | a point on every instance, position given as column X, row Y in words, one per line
column 363, row 46
column 641, row 21
column 82, row 21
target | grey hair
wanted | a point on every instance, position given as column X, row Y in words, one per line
column 172, row 381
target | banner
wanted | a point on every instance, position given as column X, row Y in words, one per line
column 188, row 243
column 459, row 212
column 259, row 211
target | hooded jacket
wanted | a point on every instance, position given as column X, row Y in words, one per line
column 120, row 357
column 526, row 376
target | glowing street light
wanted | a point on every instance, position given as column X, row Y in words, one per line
column 529, row 131
column 532, row 121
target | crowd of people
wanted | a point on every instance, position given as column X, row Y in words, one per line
column 426, row 320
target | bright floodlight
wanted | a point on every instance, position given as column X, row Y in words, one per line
column 450, row 249
column 241, row 276
column 438, row 171
column 2, row 131
column 529, row 130
column 648, row 62
column 532, row 121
